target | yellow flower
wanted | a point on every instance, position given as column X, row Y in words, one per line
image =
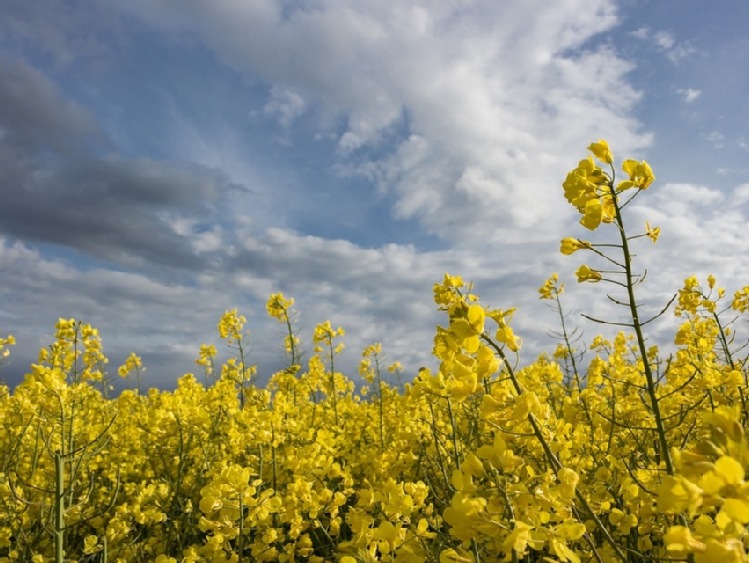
column 640, row 173
column 676, row 494
column 652, row 232
column 572, row 244
column 549, row 289
column 395, row 367
column 741, row 300
column 90, row 544
column 230, row 326
column 680, row 539
column 278, row 306
column 131, row 366
column 585, row 273
column 452, row 556
column 9, row 341
column 601, row 151
column 593, row 214
column 506, row 336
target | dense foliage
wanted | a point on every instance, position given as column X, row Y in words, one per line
column 632, row 457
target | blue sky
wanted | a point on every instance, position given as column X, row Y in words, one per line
column 161, row 162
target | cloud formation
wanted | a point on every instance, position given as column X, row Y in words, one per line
column 345, row 153
column 64, row 191
column 489, row 95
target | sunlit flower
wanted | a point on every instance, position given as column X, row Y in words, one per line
column 601, row 151
column 585, row 273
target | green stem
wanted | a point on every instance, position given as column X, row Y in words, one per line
column 59, row 508
column 240, row 540
column 379, row 390
column 332, row 382
column 456, row 454
column 651, row 386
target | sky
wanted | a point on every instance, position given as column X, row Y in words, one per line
column 163, row 162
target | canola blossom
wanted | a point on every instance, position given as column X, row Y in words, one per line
column 605, row 451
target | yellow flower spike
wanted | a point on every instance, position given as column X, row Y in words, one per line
column 131, row 366
column 395, row 367
column 551, row 288
column 230, row 326
column 206, row 355
column 585, row 273
column 601, row 151
column 741, row 300
column 652, row 232
column 278, row 306
column 547, row 289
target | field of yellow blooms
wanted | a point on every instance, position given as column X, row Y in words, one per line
column 631, row 457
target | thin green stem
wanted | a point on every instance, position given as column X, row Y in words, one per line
column 651, row 385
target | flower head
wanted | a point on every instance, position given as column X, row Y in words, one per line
column 640, row 173
column 585, row 273
column 572, row 244
column 601, row 151
column 652, row 232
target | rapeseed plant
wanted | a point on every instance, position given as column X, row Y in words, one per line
column 627, row 456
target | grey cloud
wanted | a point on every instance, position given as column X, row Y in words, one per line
column 114, row 210
column 57, row 190
column 34, row 118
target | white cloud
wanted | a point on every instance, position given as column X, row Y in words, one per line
column 689, row 94
column 488, row 90
column 715, row 138
column 641, row 33
column 285, row 105
column 741, row 194
column 665, row 42
column 208, row 241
